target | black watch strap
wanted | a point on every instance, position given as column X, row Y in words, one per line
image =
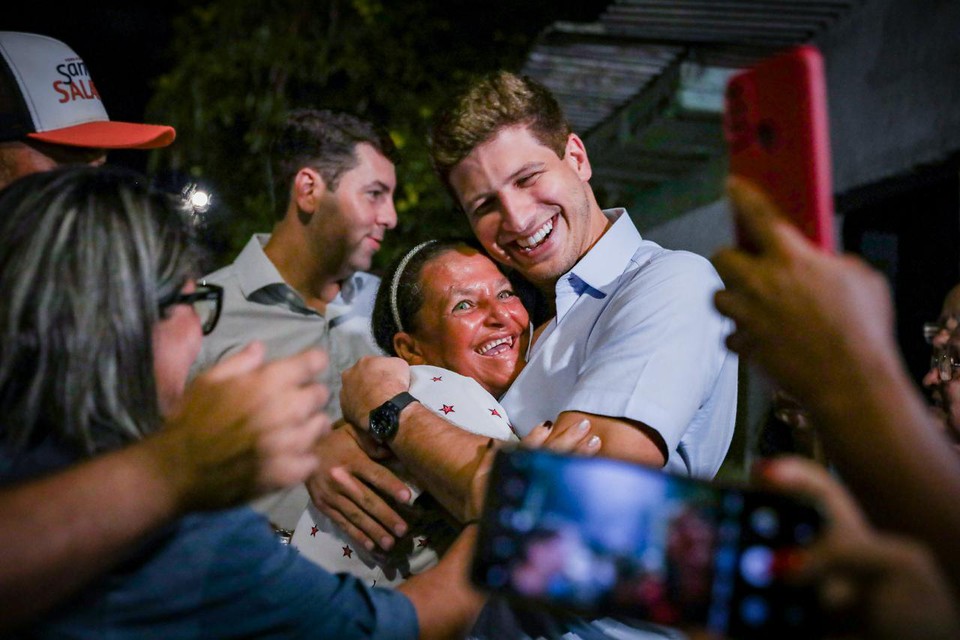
column 385, row 419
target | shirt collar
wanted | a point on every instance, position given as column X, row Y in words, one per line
column 257, row 273
column 254, row 269
column 598, row 271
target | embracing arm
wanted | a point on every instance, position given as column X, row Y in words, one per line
column 441, row 456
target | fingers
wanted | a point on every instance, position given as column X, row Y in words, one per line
column 806, row 478
column 754, row 213
column 288, row 454
column 244, row 361
column 574, row 437
column 301, row 368
column 538, row 435
column 382, row 479
column 353, row 504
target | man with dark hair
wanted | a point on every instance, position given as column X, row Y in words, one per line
column 305, row 285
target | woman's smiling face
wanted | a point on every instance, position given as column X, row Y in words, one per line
column 471, row 321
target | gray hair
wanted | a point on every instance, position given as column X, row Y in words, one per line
column 85, row 256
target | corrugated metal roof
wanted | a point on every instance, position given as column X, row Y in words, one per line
column 621, row 79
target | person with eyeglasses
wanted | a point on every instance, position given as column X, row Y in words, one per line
column 100, row 321
column 52, row 538
column 943, row 379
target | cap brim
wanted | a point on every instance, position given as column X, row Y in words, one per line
column 110, row 135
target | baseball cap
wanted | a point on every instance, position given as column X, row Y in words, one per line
column 46, row 94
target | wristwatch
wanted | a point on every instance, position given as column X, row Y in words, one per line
column 385, row 419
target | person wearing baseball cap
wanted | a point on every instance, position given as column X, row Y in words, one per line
column 51, row 112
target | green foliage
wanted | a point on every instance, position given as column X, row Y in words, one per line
column 242, row 64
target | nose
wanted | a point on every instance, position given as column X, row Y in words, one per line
column 388, row 215
column 518, row 212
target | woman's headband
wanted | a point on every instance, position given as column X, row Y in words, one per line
column 395, row 283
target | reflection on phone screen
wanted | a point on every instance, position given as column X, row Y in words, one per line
column 597, row 535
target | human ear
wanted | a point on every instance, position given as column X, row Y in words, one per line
column 408, row 348
column 575, row 154
column 308, row 188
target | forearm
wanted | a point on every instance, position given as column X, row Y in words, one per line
column 882, row 438
column 446, row 604
column 441, row 457
column 59, row 532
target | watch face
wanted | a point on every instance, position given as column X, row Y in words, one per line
column 384, row 421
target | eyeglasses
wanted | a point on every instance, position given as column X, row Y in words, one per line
column 946, row 362
column 206, row 301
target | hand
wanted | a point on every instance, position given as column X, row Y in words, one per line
column 368, row 384
column 871, row 584
column 810, row 319
column 244, row 428
column 574, row 438
column 348, row 487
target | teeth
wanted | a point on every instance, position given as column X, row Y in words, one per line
column 494, row 343
column 532, row 241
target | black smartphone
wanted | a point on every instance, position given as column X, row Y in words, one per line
column 598, row 536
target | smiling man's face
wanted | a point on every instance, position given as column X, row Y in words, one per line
column 529, row 208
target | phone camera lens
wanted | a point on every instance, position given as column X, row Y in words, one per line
column 754, row 611
column 765, row 522
column 756, row 566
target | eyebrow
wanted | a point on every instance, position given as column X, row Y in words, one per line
column 472, row 202
column 379, row 184
column 469, row 289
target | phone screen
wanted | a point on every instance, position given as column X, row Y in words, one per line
column 600, row 536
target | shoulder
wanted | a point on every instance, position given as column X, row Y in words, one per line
column 665, row 274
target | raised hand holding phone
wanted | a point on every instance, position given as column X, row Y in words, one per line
column 777, row 130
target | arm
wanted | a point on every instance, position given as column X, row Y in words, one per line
column 624, row 439
column 243, row 427
column 446, row 604
column 822, row 327
column 441, row 456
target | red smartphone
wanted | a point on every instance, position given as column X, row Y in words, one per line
column 777, row 130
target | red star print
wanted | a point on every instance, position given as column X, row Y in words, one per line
column 422, row 542
column 437, row 379
column 313, row 531
column 447, row 408
column 347, row 552
column 494, row 412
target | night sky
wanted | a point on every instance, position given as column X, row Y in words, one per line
column 125, row 44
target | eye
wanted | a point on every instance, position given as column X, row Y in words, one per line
column 483, row 208
column 506, row 294
column 529, row 179
column 463, row 305
column 376, row 194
